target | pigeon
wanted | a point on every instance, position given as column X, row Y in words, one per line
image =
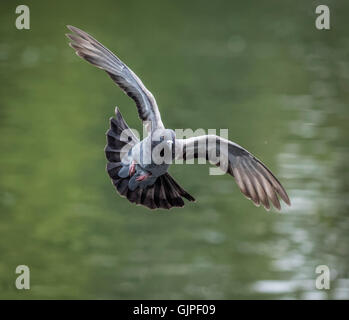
column 140, row 174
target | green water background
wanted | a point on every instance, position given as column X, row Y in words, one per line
column 260, row 69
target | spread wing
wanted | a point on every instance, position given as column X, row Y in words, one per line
column 94, row 52
column 254, row 179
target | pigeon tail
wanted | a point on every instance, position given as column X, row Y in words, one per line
column 165, row 193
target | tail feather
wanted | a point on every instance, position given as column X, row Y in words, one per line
column 165, row 193
column 179, row 189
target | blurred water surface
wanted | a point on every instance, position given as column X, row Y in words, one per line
column 261, row 70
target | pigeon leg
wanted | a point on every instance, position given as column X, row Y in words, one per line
column 143, row 177
column 132, row 169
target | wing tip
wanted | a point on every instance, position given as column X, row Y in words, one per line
column 287, row 201
column 72, row 28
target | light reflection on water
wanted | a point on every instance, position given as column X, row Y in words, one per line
column 311, row 160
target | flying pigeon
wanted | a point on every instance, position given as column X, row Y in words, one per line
column 148, row 183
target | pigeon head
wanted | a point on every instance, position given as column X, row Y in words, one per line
column 163, row 136
column 163, row 141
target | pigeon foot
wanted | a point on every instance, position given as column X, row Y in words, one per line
column 132, row 168
column 143, row 177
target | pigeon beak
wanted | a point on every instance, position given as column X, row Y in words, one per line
column 169, row 142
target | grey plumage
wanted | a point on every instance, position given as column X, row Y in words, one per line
column 253, row 178
column 149, row 184
column 94, row 52
column 164, row 193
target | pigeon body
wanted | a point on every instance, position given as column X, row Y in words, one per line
column 148, row 164
column 139, row 172
column 157, row 192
